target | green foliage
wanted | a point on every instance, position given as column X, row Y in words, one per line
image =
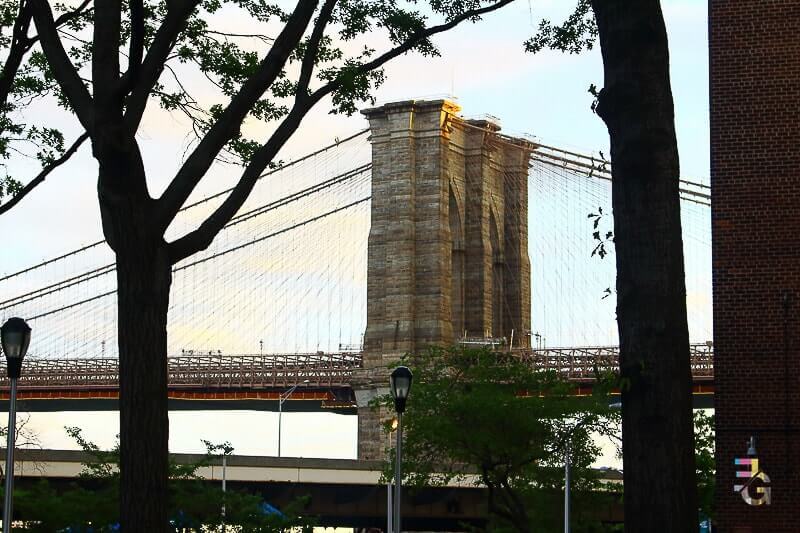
column 476, row 415
column 9, row 186
column 27, row 81
column 226, row 59
column 602, row 240
column 46, row 509
column 575, row 34
column 92, row 501
column 704, row 460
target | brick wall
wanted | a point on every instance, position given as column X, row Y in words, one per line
column 755, row 179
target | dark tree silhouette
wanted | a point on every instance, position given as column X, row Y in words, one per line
column 279, row 83
column 637, row 107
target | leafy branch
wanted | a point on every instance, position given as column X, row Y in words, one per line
column 602, row 237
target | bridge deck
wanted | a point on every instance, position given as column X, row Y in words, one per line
column 322, row 378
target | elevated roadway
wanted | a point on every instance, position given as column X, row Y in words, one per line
column 342, row 492
column 256, row 381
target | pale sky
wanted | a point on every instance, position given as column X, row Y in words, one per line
column 486, row 68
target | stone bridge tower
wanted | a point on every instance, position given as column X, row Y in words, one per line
column 448, row 244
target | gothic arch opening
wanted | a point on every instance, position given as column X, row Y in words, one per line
column 457, row 261
column 497, row 278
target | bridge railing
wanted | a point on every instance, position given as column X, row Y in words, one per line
column 582, row 363
column 200, row 371
column 263, row 371
column 322, row 370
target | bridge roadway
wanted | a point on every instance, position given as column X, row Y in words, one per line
column 216, row 381
column 343, row 492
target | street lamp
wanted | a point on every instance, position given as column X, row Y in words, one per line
column 15, row 336
column 751, row 447
column 226, row 449
column 282, row 398
column 568, row 477
column 400, row 383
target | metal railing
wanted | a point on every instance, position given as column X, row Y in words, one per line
column 583, row 363
column 322, row 370
column 213, row 371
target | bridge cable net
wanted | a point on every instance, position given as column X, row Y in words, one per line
column 286, row 275
column 573, row 269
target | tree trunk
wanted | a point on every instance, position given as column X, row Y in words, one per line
column 636, row 105
column 511, row 508
column 143, row 278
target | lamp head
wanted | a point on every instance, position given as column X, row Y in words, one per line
column 400, row 382
column 15, row 336
column 751, row 447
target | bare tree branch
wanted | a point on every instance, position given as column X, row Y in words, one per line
column 201, row 238
column 176, row 194
column 65, row 72
column 105, row 60
column 153, row 64
column 228, row 124
column 310, row 57
column 24, row 438
column 413, row 41
column 516, row 501
column 70, row 15
column 260, row 36
column 20, row 44
column 136, row 47
column 43, row 174
column 494, row 507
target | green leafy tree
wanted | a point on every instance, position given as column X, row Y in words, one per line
column 704, row 460
column 637, row 107
column 499, row 421
column 92, row 502
column 24, row 79
column 114, row 60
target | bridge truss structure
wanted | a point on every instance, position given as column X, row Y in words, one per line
column 322, row 302
column 212, row 374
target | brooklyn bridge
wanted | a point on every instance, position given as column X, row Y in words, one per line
column 427, row 228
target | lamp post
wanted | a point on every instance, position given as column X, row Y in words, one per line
column 282, row 398
column 567, row 482
column 226, row 449
column 390, row 484
column 224, row 475
column 400, row 383
column 15, row 336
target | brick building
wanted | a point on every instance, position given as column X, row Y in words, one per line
column 755, row 179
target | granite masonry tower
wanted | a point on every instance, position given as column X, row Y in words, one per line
column 448, row 244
